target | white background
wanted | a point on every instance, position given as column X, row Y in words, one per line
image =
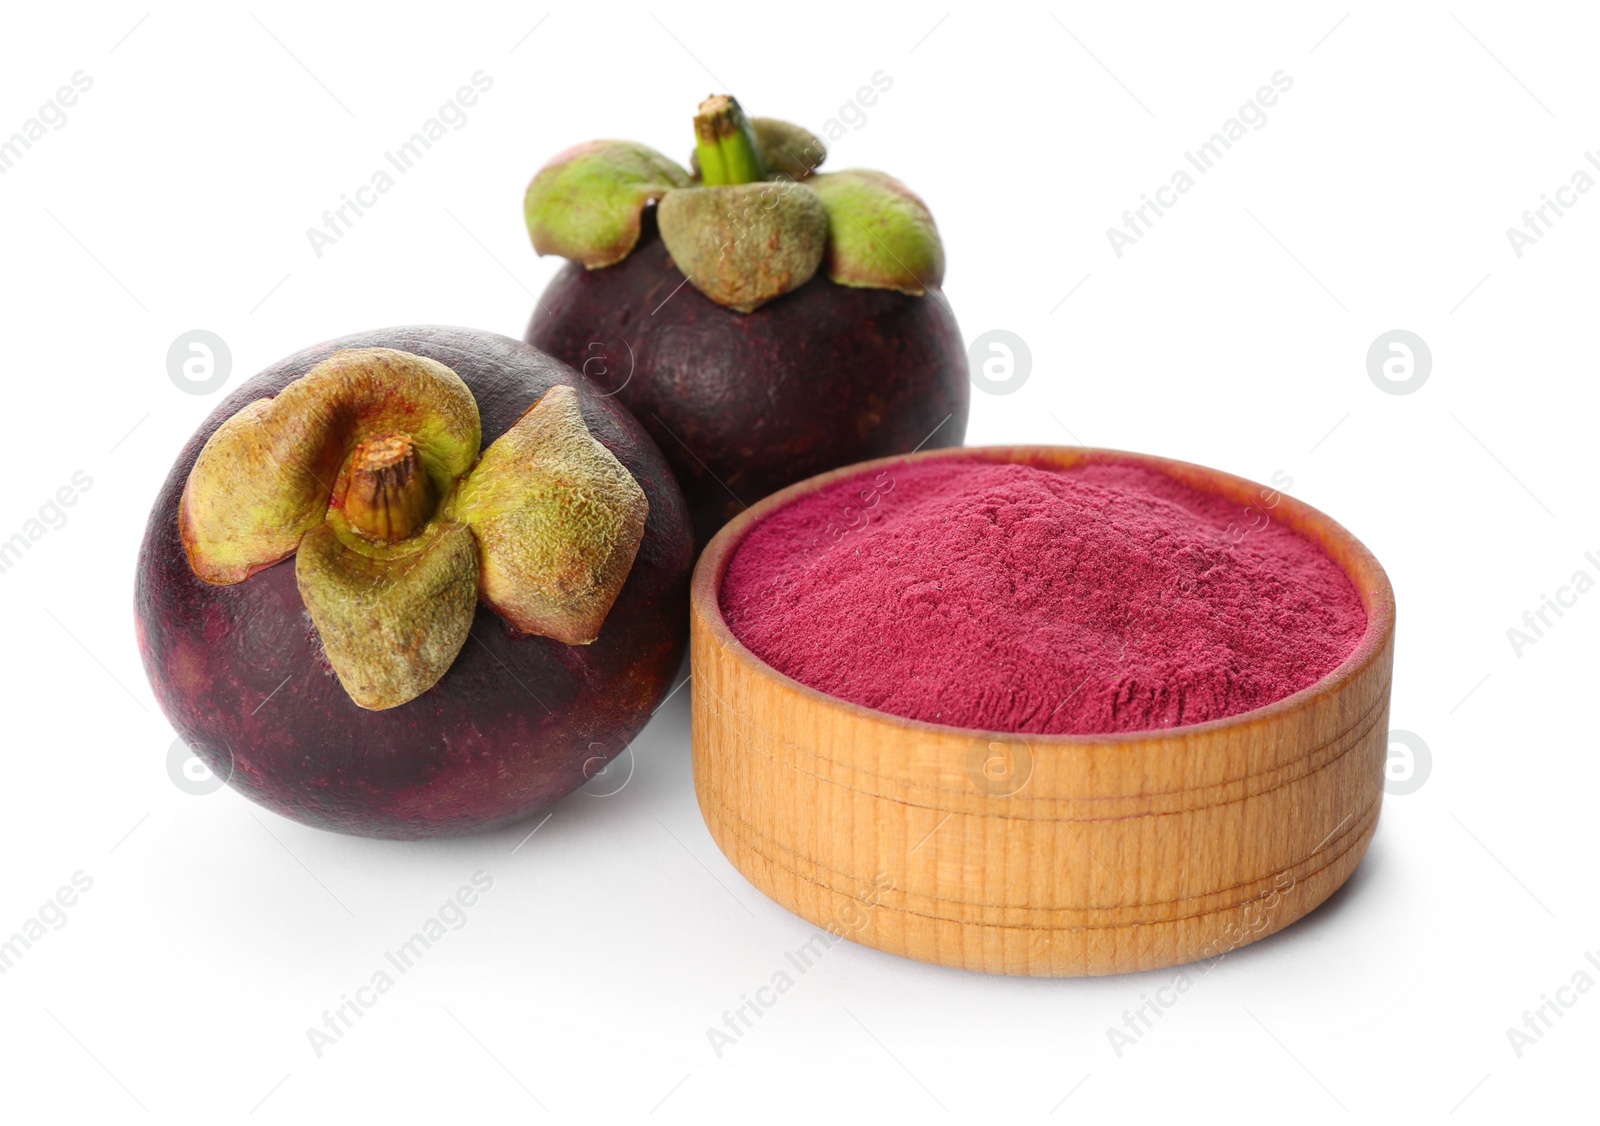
column 1376, row 197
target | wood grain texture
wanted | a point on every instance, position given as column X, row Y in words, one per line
column 1034, row 854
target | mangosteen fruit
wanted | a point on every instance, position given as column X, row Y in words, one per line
column 764, row 321
column 415, row 582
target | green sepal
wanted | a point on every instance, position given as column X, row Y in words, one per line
column 558, row 521
column 744, row 244
column 880, row 233
column 391, row 618
column 586, row 203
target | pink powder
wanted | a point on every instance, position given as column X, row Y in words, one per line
column 1003, row 597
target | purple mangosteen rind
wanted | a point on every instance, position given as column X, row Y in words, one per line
column 517, row 721
column 745, row 404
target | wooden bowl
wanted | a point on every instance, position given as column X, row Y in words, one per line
column 1047, row 855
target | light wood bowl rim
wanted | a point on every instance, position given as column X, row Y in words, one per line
column 1359, row 564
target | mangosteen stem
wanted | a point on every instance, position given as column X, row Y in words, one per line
column 726, row 144
column 389, row 496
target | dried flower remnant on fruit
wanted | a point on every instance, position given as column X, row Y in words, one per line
column 266, row 476
column 356, row 468
column 386, row 494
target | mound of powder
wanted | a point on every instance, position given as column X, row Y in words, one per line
column 1102, row 598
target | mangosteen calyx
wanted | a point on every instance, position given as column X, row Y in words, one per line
column 753, row 222
column 586, row 203
column 366, row 469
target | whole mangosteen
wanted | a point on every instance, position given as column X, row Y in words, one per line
column 413, row 583
column 765, row 322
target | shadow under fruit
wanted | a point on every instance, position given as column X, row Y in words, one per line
column 514, row 722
